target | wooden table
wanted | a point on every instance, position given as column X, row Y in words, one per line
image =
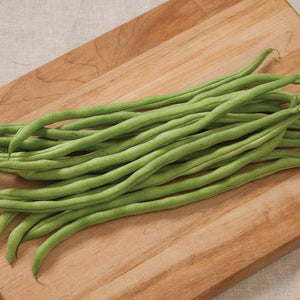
column 194, row 251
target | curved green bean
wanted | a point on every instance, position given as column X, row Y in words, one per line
column 131, row 124
column 110, row 149
column 289, row 143
column 85, row 183
column 19, row 231
column 219, row 155
column 5, row 219
column 140, row 104
column 49, row 133
column 55, row 222
column 134, row 179
column 43, row 165
column 171, row 135
column 30, row 143
column 292, row 134
column 148, row 118
column 32, row 155
column 170, row 202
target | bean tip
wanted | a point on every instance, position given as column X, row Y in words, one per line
column 278, row 53
column 36, row 276
column 10, row 259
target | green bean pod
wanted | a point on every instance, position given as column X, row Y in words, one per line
column 134, row 179
column 19, row 231
column 5, row 219
column 53, row 223
column 170, row 202
column 140, row 104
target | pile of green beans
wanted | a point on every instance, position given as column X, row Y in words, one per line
column 124, row 159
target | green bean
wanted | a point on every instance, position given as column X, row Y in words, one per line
column 147, row 135
column 170, row 172
column 53, row 185
column 134, row 123
column 285, row 143
column 10, row 128
column 5, row 219
column 136, row 158
column 289, row 143
column 18, row 232
column 292, row 135
column 64, row 217
column 275, row 154
column 30, row 143
column 43, row 165
column 221, row 154
column 164, row 114
column 49, row 133
column 170, row 202
column 8, row 170
column 31, row 156
column 55, row 134
column 279, row 153
column 140, row 104
column 241, row 83
column 54, row 222
column 258, row 108
column 166, row 137
column 99, row 151
column 85, row 183
column 60, row 163
column 52, row 118
column 278, row 95
column 212, row 157
column 134, row 179
column 95, row 121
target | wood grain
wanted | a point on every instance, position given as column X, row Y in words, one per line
column 95, row 58
column 192, row 252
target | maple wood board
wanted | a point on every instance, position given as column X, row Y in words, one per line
column 195, row 251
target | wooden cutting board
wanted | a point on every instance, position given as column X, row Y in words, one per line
column 195, row 251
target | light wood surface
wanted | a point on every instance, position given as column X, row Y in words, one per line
column 191, row 252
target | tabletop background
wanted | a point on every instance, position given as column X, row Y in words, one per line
column 34, row 32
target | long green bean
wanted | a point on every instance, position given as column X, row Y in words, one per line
column 86, row 183
column 167, row 203
column 136, row 122
column 55, row 222
column 164, row 114
column 32, row 155
column 125, row 185
column 49, row 133
column 19, row 231
column 289, row 143
column 140, row 104
column 165, row 137
column 279, row 95
column 30, row 143
column 121, row 159
column 219, row 155
column 5, row 219
column 41, row 165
